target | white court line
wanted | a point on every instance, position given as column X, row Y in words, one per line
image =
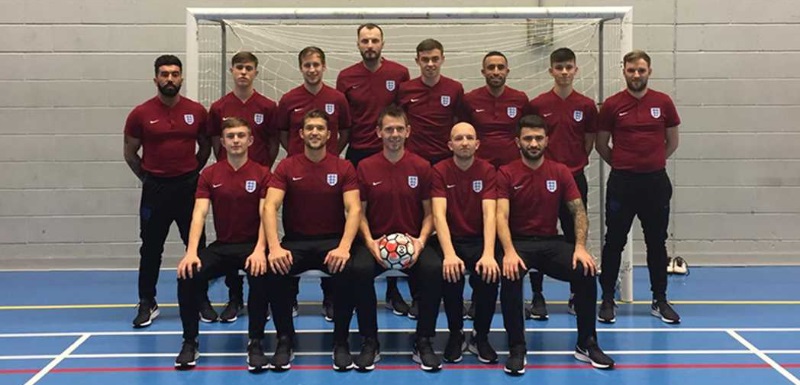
column 386, row 331
column 38, row 376
column 764, row 357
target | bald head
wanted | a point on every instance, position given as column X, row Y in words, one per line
column 463, row 141
column 462, row 128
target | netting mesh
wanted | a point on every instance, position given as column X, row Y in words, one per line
column 526, row 43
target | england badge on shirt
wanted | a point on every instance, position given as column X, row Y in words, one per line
column 551, row 185
column 249, row 186
column 390, row 85
column 333, row 179
column 655, row 112
column 413, row 181
column 512, row 112
column 188, row 118
column 577, row 115
column 477, row 186
column 330, row 108
column 258, row 118
column 445, row 100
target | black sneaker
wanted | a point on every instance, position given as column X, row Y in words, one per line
column 207, row 313
column 470, row 313
column 327, row 309
column 425, row 356
column 662, row 309
column 146, row 312
column 187, row 358
column 256, row 360
column 231, row 311
column 342, row 360
column 395, row 303
column 295, row 308
column 517, row 359
column 456, row 345
column 591, row 353
column 607, row 313
column 537, row 309
column 369, row 355
column 571, row 304
column 481, row 347
column 284, row 354
column 413, row 311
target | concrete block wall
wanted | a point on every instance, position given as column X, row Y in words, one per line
column 71, row 70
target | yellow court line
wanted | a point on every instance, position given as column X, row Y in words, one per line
column 128, row 306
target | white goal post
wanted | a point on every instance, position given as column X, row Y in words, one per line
column 537, row 22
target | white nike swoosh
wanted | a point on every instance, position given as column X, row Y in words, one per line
column 623, row 113
column 295, row 179
column 216, row 185
column 298, row 109
column 154, row 121
column 413, row 100
column 480, row 110
column 546, row 115
column 451, row 186
column 517, row 187
column 355, row 86
column 377, row 183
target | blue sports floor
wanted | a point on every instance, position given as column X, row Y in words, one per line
column 740, row 326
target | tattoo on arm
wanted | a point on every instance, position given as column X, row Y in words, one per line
column 581, row 220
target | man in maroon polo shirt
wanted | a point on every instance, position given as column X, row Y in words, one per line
column 370, row 85
column 259, row 112
column 167, row 128
column 235, row 188
column 312, row 94
column 432, row 103
column 395, row 192
column 572, row 119
column 464, row 215
column 644, row 126
column 529, row 193
column 321, row 214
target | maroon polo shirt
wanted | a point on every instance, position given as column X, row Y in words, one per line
column 258, row 111
column 431, row 111
column 168, row 135
column 294, row 105
column 638, row 129
column 495, row 120
column 465, row 192
column 569, row 120
column 394, row 193
column 314, row 200
column 234, row 196
column 535, row 196
column 368, row 93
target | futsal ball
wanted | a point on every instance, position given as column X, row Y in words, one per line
column 396, row 250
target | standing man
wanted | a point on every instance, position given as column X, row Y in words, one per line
column 321, row 216
column 465, row 217
column 369, row 87
column 167, row 128
column 235, row 188
column 395, row 191
column 572, row 119
column 530, row 192
column 258, row 111
column 644, row 126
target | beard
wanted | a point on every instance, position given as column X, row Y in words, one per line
column 641, row 87
column 532, row 157
column 169, row 89
column 370, row 56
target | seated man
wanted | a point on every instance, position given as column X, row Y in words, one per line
column 321, row 213
column 529, row 193
column 235, row 189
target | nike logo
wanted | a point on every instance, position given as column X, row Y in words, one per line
column 355, row 86
column 546, row 115
column 377, row 183
column 413, row 100
column 451, row 186
column 517, row 187
column 298, row 109
column 296, row 178
column 216, row 185
column 623, row 113
column 480, row 110
column 154, row 121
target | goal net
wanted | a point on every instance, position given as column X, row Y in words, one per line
column 600, row 36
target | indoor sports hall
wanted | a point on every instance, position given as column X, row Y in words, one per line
column 71, row 71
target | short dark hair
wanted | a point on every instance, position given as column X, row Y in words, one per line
column 532, row 121
column 635, row 55
column 232, row 122
column 394, row 111
column 561, row 55
column 315, row 113
column 167, row 60
column 309, row 51
column 244, row 57
column 428, row 45
column 494, row 53
column 369, row 26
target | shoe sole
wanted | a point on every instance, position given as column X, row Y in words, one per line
column 415, row 357
column 328, row 319
column 464, row 347
column 474, row 350
column 584, row 358
column 188, row 365
column 257, row 369
column 607, row 321
column 396, row 312
column 411, row 317
column 283, row 368
column 657, row 314
column 369, row 368
column 516, row 372
column 208, row 321
column 228, row 320
column 147, row 323
column 341, row 369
